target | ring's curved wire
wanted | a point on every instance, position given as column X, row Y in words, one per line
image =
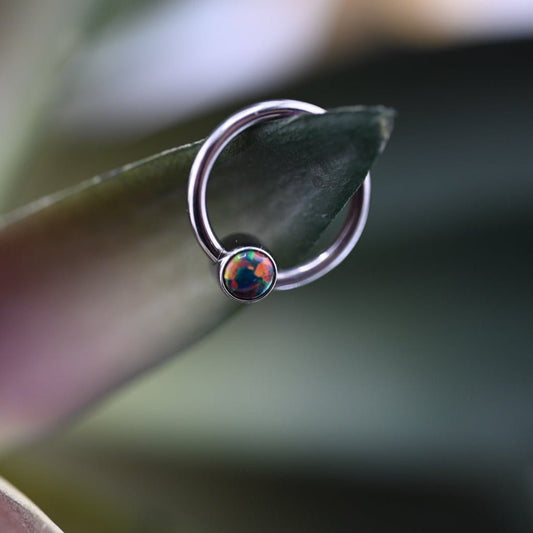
column 201, row 170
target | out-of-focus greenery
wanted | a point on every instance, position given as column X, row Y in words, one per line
column 19, row 515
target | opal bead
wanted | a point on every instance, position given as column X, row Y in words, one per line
column 249, row 274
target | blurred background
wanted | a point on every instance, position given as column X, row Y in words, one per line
column 396, row 394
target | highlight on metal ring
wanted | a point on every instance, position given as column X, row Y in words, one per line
column 248, row 274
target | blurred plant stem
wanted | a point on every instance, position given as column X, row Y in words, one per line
column 35, row 40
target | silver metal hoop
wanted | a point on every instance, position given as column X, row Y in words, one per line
column 200, row 172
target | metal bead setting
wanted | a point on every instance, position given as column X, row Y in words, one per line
column 247, row 274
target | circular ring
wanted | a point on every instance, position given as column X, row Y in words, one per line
column 200, row 171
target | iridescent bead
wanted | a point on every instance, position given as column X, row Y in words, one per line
column 249, row 274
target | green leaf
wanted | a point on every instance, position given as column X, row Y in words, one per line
column 20, row 515
column 105, row 279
